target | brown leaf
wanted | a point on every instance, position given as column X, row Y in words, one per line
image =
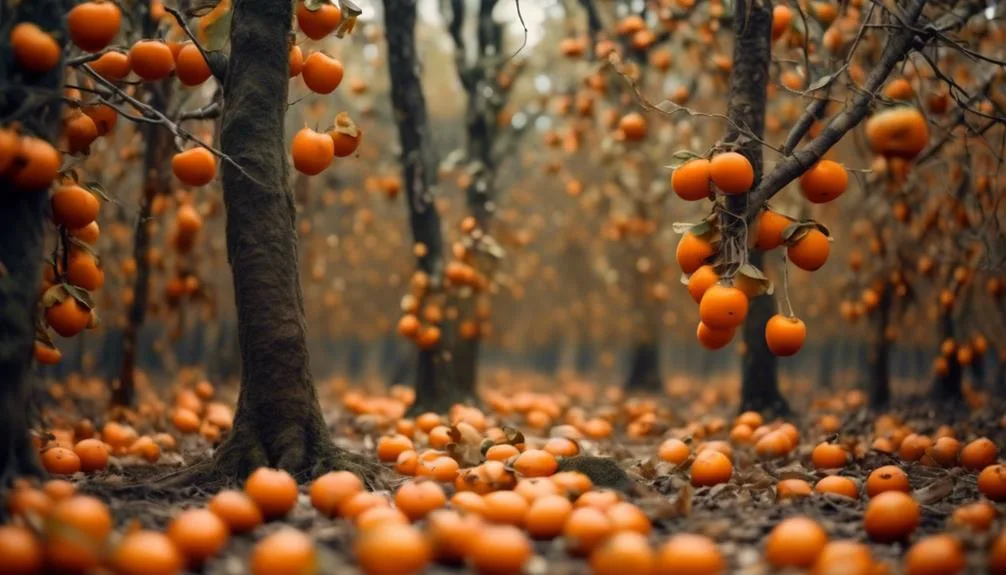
column 934, row 492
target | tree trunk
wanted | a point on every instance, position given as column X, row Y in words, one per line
column 948, row 387
column 22, row 213
column 878, row 361
column 434, row 384
column 644, row 371
column 156, row 181
column 746, row 107
column 278, row 422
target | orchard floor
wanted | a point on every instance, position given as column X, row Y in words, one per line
column 738, row 515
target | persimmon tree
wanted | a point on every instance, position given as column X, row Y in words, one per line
column 31, row 76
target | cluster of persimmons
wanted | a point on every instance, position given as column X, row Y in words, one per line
column 480, row 487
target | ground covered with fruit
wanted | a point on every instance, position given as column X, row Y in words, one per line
column 577, row 480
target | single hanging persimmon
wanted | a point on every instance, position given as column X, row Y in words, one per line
column 68, row 317
column 112, row 66
column 824, row 182
column 296, row 61
column 701, row 280
column 94, row 25
column 194, row 167
column 770, row 227
column 80, row 131
column 691, row 180
column 73, row 206
column 322, row 73
column 36, row 165
column 318, row 18
column 345, row 135
column 723, row 307
column 151, row 60
column 810, row 252
column 312, row 151
column 899, row 132
column 785, row 335
column 731, row 172
column 692, row 252
column 190, row 66
column 633, row 127
column 34, row 49
column 714, row 339
column 84, row 271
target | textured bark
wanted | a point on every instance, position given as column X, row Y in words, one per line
column 22, row 213
column 278, row 420
column 156, row 181
column 878, row 360
column 644, row 372
column 948, row 387
column 746, row 108
column 434, row 384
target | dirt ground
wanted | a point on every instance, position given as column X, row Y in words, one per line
column 737, row 515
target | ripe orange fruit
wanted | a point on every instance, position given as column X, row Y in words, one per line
column 992, row 482
column 625, row 516
column 389, row 447
column 418, row 498
column 710, row 468
column 977, row 516
column 151, row 60
column 499, row 550
column 838, row 485
column 105, row 117
column 624, row 552
column 810, row 252
column 185, row 420
column 690, row 181
column 547, row 516
column 688, row 554
column 773, row 444
column 284, row 552
column 80, row 131
column 979, row 454
column 194, row 167
column 296, row 61
column 701, row 280
column 93, row 455
column 914, row 446
column 191, row 67
column 331, row 489
column 935, row 555
column 354, row 506
column 322, row 73
column 945, row 451
column 561, row 447
column 674, row 451
column 723, row 307
column 692, row 252
column 392, row 549
column 633, row 126
column 844, row 558
column 379, row 515
column 316, row 24
column 83, row 271
column 824, row 182
column 536, row 463
column 785, row 335
column 887, row 478
column 34, row 49
column 450, row 534
column 891, row 516
column 36, row 164
column 585, row 529
column 312, row 151
column 900, row 132
column 795, row 542
column 10, row 141
column 782, row 16
column 112, row 66
column 273, row 490
column 94, row 25
column 198, row 534
column 237, row 510
column 21, row 551
column 731, row 172
column 714, row 338
column 792, row 488
column 68, row 318
column 74, row 207
column 345, row 135
column 76, row 534
column 829, row 456
column 147, row 552
column 505, row 507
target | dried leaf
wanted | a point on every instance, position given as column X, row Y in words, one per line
column 97, row 189
column 934, row 492
column 513, row 435
column 821, row 82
